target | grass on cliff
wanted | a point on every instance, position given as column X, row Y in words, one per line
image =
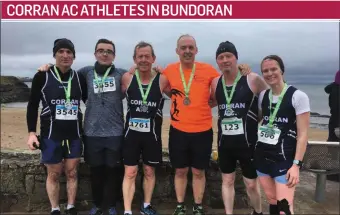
column 8, row 80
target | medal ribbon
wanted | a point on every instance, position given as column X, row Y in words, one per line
column 101, row 82
column 227, row 96
column 187, row 87
column 277, row 106
column 144, row 95
column 68, row 89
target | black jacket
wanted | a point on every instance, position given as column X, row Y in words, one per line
column 333, row 90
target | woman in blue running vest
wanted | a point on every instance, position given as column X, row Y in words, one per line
column 282, row 136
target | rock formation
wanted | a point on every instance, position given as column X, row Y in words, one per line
column 13, row 90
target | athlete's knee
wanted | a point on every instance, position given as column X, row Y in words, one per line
column 53, row 176
column 198, row 174
column 149, row 172
column 271, row 198
column 130, row 172
column 182, row 172
column 228, row 180
column 71, row 174
column 252, row 186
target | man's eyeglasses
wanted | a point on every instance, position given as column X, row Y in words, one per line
column 102, row 52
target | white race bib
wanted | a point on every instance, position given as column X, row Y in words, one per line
column 109, row 85
column 232, row 126
column 139, row 124
column 62, row 113
column 268, row 135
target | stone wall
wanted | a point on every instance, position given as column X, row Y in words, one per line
column 23, row 185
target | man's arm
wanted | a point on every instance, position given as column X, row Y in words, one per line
column 261, row 84
column 165, row 85
column 38, row 82
column 165, row 77
column 213, row 73
column 45, row 67
column 259, row 103
column 257, row 84
column 244, row 69
column 83, row 86
column 126, row 80
column 213, row 101
column 213, row 79
column 123, row 72
column 81, row 72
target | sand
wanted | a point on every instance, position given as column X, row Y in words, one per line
column 14, row 129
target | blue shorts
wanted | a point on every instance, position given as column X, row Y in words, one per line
column 271, row 166
column 53, row 152
column 279, row 179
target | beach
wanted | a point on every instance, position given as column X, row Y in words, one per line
column 14, row 129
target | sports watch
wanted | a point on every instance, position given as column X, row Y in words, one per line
column 298, row 162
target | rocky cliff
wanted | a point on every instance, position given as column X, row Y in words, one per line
column 13, row 90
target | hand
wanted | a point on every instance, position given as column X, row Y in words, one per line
column 158, row 69
column 44, row 67
column 212, row 103
column 293, row 176
column 244, row 69
column 132, row 70
column 32, row 138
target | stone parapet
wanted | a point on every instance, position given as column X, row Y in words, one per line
column 23, row 185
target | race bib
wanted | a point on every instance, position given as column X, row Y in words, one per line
column 62, row 113
column 140, row 125
column 109, row 85
column 268, row 135
column 232, row 126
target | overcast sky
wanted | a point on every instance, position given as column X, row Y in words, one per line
column 25, row 46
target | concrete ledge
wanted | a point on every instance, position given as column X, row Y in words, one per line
column 23, row 185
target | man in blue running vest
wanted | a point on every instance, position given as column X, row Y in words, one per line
column 60, row 90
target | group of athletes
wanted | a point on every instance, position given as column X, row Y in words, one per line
column 262, row 124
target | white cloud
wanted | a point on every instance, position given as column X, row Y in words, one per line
column 25, row 46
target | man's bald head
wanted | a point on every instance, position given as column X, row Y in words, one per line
column 186, row 49
column 186, row 37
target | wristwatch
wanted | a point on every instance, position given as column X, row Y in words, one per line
column 298, row 162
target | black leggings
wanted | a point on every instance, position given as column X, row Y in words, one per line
column 106, row 183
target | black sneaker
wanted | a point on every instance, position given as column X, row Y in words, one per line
column 71, row 211
column 149, row 210
column 96, row 211
column 180, row 210
column 198, row 210
column 55, row 212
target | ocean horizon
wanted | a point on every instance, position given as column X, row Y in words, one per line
column 317, row 96
column 316, row 93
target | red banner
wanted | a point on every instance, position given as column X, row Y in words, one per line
column 127, row 10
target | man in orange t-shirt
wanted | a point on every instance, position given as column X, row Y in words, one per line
column 191, row 134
